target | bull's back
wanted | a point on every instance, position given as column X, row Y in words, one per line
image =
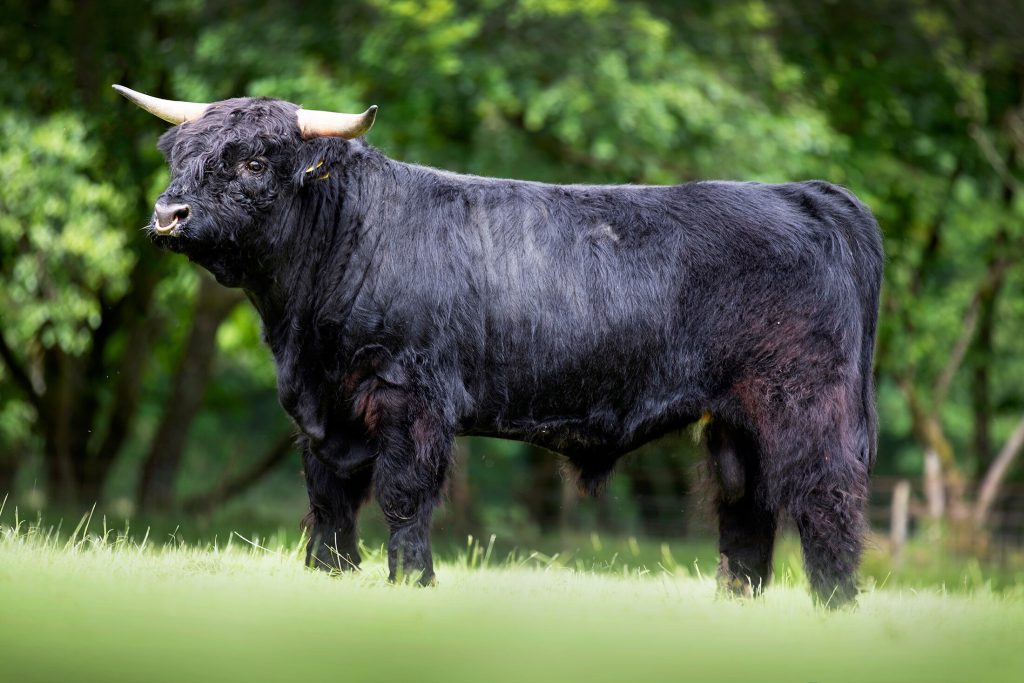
column 582, row 295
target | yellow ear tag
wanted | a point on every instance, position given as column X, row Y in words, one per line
column 313, row 168
column 701, row 425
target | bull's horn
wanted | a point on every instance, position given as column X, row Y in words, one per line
column 315, row 124
column 172, row 111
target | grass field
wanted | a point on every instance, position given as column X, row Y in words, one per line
column 98, row 606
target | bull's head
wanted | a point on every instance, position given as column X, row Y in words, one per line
column 235, row 164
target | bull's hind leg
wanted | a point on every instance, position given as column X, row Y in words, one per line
column 829, row 514
column 824, row 485
column 409, row 476
column 334, row 504
column 746, row 525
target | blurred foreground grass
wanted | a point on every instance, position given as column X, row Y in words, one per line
column 95, row 605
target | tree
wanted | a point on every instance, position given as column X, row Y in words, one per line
column 81, row 284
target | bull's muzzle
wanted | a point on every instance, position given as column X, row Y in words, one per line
column 167, row 217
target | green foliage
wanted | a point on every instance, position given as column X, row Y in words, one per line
column 60, row 233
column 915, row 106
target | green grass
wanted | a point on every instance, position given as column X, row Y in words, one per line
column 107, row 607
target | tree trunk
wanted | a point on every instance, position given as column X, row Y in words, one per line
column 996, row 474
column 122, row 411
column 242, row 482
column 645, row 495
column 61, row 480
column 160, row 471
column 462, row 511
column 934, row 492
column 568, row 503
column 8, row 473
column 981, row 400
column 940, row 465
column 132, row 315
column 981, row 407
column 542, row 496
column 900, row 519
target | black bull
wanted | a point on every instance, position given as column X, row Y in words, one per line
column 406, row 305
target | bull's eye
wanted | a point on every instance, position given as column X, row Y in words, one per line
column 255, row 166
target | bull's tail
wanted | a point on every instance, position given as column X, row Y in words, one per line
column 866, row 238
column 869, row 425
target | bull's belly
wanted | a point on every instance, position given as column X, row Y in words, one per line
column 612, row 399
column 599, row 430
column 560, row 434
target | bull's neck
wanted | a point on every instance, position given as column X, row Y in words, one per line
column 308, row 279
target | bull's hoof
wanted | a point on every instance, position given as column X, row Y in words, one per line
column 842, row 596
column 732, row 584
column 331, row 560
column 414, row 577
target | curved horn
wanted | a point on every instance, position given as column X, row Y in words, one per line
column 315, row 124
column 171, row 111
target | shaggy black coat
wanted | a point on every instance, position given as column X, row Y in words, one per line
column 405, row 305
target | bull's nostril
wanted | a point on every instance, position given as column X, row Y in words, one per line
column 169, row 215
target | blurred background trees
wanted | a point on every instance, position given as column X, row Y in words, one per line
column 129, row 378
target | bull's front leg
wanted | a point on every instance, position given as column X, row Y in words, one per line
column 334, row 501
column 409, row 476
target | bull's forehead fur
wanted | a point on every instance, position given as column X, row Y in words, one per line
column 231, row 130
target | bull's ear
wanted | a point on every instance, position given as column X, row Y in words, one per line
column 315, row 161
column 166, row 142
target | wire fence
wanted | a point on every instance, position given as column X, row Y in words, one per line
column 1006, row 522
column 623, row 510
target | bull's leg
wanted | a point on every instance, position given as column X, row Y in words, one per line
column 746, row 526
column 334, row 503
column 824, row 485
column 409, row 478
column 830, row 518
column 746, row 540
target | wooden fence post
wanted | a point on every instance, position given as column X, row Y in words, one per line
column 934, row 492
column 900, row 519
